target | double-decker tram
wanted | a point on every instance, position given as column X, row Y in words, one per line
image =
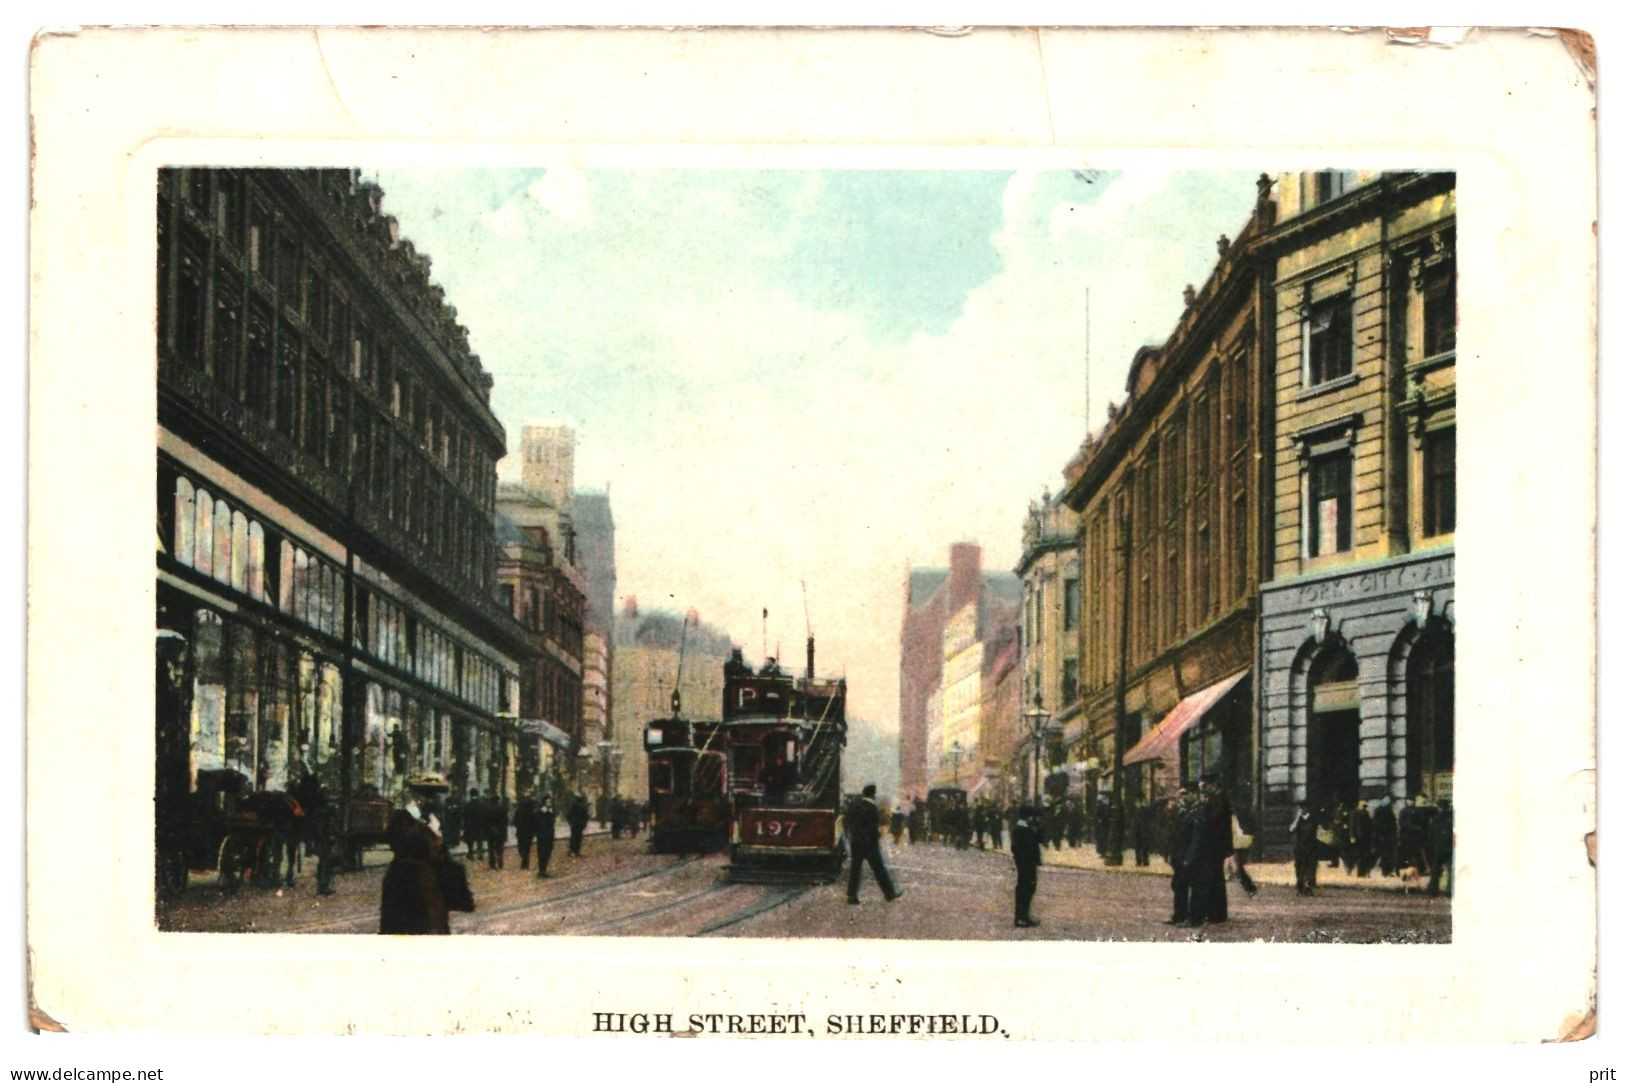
column 688, row 792
column 784, row 737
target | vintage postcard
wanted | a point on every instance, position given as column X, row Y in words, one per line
column 768, row 533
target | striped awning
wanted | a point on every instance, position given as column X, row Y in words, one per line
column 1165, row 736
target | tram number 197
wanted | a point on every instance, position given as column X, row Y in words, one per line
column 775, row 829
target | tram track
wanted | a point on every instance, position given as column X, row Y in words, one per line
column 789, row 895
column 361, row 923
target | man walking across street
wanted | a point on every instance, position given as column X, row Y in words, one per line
column 1027, row 847
column 863, row 830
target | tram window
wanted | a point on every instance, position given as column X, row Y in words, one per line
column 660, row 776
column 708, row 773
column 747, row 763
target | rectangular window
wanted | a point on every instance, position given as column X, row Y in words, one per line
column 1069, row 681
column 1328, row 340
column 1439, row 316
column 1071, row 604
column 1439, row 482
column 1331, row 504
column 1174, row 483
column 1327, row 185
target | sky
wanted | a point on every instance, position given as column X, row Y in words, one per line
column 798, row 384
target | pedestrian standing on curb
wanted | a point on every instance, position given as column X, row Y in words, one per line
column 546, row 826
column 1442, row 849
column 898, row 821
column 863, row 832
column 1209, row 900
column 1027, row 848
column 1184, row 837
column 996, row 825
column 1385, row 835
column 1305, row 849
column 577, row 816
column 1365, row 848
column 524, row 826
column 1142, row 833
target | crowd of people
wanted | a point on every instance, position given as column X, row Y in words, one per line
column 1405, row 839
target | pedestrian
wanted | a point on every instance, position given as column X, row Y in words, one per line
column 1242, row 842
column 1209, row 899
column 1184, row 840
column 1074, row 823
column 1442, row 849
column 898, row 821
column 1103, row 818
column 1305, row 849
column 456, row 813
column 546, row 827
column 412, row 902
column 320, row 829
column 524, row 826
column 1027, row 848
column 1142, row 833
column 474, row 825
column 577, row 816
column 617, row 817
column 1385, row 835
column 863, row 831
column 996, row 825
column 916, row 822
column 496, row 831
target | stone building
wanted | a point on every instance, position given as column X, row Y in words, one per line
column 1358, row 638
column 1051, row 622
column 1168, row 496
column 326, row 478
column 542, row 589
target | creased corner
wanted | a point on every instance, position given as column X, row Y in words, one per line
column 1583, row 48
column 1578, row 1027
column 41, row 1022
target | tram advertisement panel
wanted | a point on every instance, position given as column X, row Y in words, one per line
column 787, row 827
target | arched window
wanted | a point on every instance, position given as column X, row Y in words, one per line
column 239, row 551
column 1430, row 725
column 203, row 533
column 185, row 521
column 301, row 573
column 222, row 541
column 1334, row 729
column 256, row 561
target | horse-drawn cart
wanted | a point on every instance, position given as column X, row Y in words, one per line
column 242, row 836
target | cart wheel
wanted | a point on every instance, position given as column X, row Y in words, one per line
column 233, row 861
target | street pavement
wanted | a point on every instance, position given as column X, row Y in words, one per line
column 618, row 888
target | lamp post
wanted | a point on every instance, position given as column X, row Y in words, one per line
column 1037, row 729
column 956, row 752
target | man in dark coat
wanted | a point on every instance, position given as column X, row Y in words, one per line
column 320, row 832
column 577, row 816
column 546, row 827
column 1442, row 848
column 1305, row 849
column 474, row 824
column 1027, row 848
column 1385, row 836
column 496, row 831
column 1184, row 842
column 863, row 831
column 524, row 827
column 1208, row 897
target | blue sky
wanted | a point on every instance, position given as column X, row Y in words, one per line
column 820, row 376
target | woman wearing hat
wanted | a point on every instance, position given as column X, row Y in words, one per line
column 412, row 900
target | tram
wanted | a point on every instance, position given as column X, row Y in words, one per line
column 784, row 736
column 688, row 792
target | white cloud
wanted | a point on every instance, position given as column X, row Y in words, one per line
column 564, row 193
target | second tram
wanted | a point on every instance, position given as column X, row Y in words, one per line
column 688, row 793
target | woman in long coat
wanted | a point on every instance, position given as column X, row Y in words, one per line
column 412, row 901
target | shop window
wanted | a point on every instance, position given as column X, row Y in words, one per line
column 256, row 561
column 1331, row 504
column 239, row 551
column 220, row 557
column 1328, row 340
column 1439, row 482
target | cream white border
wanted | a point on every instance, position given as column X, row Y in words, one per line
column 1509, row 111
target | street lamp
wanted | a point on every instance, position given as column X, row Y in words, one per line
column 956, row 752
column 1037, row 729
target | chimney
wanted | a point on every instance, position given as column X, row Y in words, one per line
column 811, row 672
column 964, row 575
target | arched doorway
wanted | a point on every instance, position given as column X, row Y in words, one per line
column 1430, row 724
column 1334, row 729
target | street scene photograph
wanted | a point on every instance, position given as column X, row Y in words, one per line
column 994, row 554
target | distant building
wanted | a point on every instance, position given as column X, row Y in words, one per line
column 949, row 616
column 1051, row 620
column 650, row 646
